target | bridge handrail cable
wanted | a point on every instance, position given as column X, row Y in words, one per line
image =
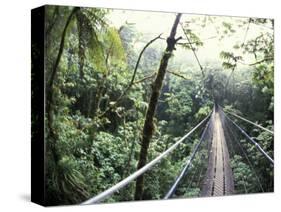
column 246, row 120
column 246, row 156
column 100, row 197
column 188, row 163
column 250, row 139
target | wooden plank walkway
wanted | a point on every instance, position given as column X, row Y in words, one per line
column 219, row 179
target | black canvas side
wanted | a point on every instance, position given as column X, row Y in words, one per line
column 37, row 106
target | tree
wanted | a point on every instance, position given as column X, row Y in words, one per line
column 56, row 64
column 156, row 88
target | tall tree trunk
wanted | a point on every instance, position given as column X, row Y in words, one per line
column 49, row 92
column 56, row 64
column 156, row 88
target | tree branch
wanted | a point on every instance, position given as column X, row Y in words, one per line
column 145, row 78
column 257, row 62
column 178, row 75
column 184, row 44
column 137, row 64
column 55, row 67
column 49, row 98
column 133, row 76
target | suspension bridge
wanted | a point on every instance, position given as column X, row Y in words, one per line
column 221, row 138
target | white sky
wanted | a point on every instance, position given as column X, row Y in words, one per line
column 151, row 24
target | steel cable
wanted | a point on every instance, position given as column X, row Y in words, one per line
column 246, row 120
column 250, row 139
column 105, row 194
column 188, row 163
column 245, row 155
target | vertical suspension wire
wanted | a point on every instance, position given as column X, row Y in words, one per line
column 189, row 161
column 202, row 158
column 252, row 140
column 229, row 143
column 231, row 137
column 207, row 146
column 198, row 172
column 245, row 187
column 242, row 150
column 105, row 194
column 190, row 181
column 193, row 181
column 244, row 153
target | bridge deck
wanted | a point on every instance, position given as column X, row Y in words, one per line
column 219, row 179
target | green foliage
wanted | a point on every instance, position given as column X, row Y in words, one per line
column 179, row 106
column 93, row 139
column 228, row 27
column 231, row 60
column 203, row 112
column 115, row 44
column 193, row 39
column 243, row 176
column 193, row 192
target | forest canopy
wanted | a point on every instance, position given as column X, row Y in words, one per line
column 123, row 86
